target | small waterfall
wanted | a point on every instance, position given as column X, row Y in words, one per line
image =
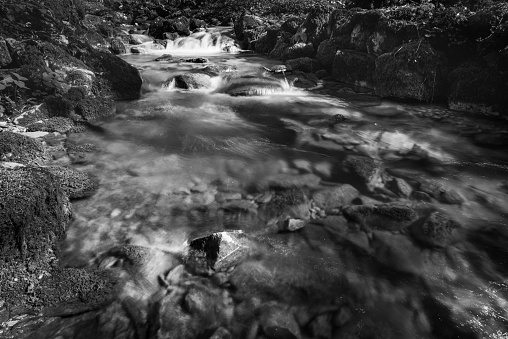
column 202, row 42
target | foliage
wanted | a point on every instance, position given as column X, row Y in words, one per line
column 10, row 86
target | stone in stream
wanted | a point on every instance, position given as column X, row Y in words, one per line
column 252, row 86
column 397, row 252
column 117, row 46
column 321, row 326
column 278, row 323
column 22, row 149
column 193, row 81
column 389, row 217
column 437, row 230
column 53, row 124
column 138, row 50
column 361, row 166
column 164, row 57
column 195, row 60
column 335, row 197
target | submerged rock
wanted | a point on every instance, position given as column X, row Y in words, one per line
column 361, row 166
column 397, row 252
column 251, row 86
column 335, row 197
column 164, row 57
column 277, row 322
column 390, row 217
column 437, row 230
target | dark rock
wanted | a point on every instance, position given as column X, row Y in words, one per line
column 278, row 49
column 315, row 25
column 480, row 86
column 118, row 79
column 76, row 184
column 33, row 215
column 138, row 39
column 294, row 225
column 195, row 60
column 292, row 181
column 179, row 25
column 390, row 217
column 59, row 106
column 321, row 326
column 92, row 109
column 437, row 230
column 138, row 50
column 267, row 40
column 304, row 64
column 207, row 306
column 321, row 74
column 246, row 22
column 326, row 52
column 278, row 323
column 491, row 140
column 298, row 50
column 22, row 149
column 397, row 252
column 164, row 57
column 414, row 71
column 54, row 124
column 5, row 56
column 361, row 166
column 117, row 46
column 197, row 23
column 193, row 81
column 354, row 68
column 401, row 187
column 221, row 333
column 335, row 197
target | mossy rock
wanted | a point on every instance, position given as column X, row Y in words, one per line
column 361, row 166
column 354, row 68
column 33, row 215
column 437, row 230
column 54, row 124
column 414, row 71
column 388, row 217
column 15, row 147
column 73, row 182
column 327, row 50
column 95, row 108
column 304, row 64
column 267, row 40
column 298, row 50
column 278, row 49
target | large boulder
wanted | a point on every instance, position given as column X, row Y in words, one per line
column 267, row 40
column 5, row 56
column 74, row 183
column 291, row 25
column 327, row 50
column 480, row 86
column 33, row 215
column 414, row 71
column 278, row 49
column 193, row 81
column 315, row 26
column 354, row 68
column 246, row 22
column 304, row 64
column 298, row 50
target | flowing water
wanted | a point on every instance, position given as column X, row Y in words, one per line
column 178, row 163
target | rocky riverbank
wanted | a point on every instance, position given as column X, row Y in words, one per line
column 60, row 77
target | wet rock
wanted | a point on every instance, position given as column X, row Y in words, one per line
column 226, row 196
column 437, row 230
column 298, row 50
column 22, row 149
column 278, row 323
column 390, row 217
column 354, row 68
column 138, row 39
column 53, row 124
column 75, row 183
column 221, row 333
column 195, row 60
column 304, row 64
column 401, row 187
column 34, row 214
column 397, row 252
column 291, row 25
column 294, row 225
column 315, row 25
column 92, row 109
column 193, row 81
column 117, row 46
column 326, row 52
column 138, row 50
column 491, row 140
column 421, row 196
column 361, row 166
column 441, row 193
column 292, row 181
column 210, row 307
column 267, row 40
column 179, row 25
column 164, row 57
column 416, row 71
column 169, row 320
column 335, row 197
column 58, row 106
column 197, row 23
column 321, row 326
column 251, row 86
column 245, row 23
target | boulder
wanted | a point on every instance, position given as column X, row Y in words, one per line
column 354, row 68
column 251, row 86
column 397, row 252
column 73, row 182
column 480, row 86
column 197, row 23
column 22, row 149
column 315, row 25
column 267, row 40
column 138, row 50
column 54, row 124
column 278, row 49
column 327, row 50
column 117, row 46
column 193, row 81
column 246, row 22
column 291, row 25
column 437, row 230
column 415, row 71
column 164, row 57
column 138, row 39
column 335, row 197
column 389, row 217
column 304, row 64
column 33, row 215
column 298, row 50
